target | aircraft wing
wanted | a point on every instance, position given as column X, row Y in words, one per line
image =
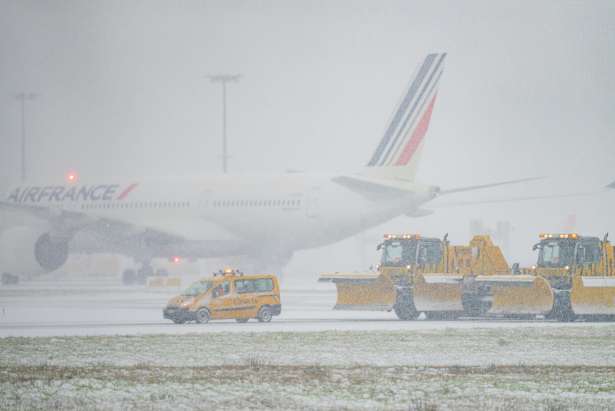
column 70, row 222
column 162, row 238
column 385, row 189
column 371, row 188
column 509, row 200
column 482, row 186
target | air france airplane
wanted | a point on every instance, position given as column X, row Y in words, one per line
column 261, row 218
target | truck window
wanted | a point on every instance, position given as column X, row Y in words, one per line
column 430, row 253
column 588, row 253
column 555, row 253
column 399, row 253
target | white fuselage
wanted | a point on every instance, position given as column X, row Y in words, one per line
column 227, row 214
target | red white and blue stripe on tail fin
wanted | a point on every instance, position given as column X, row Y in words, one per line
column 403, row 137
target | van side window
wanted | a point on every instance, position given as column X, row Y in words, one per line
column 254, row 286
column 263, row 285
column 222, row 289
column 244, row 286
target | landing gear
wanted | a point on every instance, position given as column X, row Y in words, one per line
column 9, row 279
column 129, row 277
column 139, row 277
column 143, row 273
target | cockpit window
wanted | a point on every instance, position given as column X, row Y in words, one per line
column 197, row 288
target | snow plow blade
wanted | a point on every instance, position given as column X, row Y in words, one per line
column 518, row 294
column 438, row 292
column 362, row 291
column 593, row 295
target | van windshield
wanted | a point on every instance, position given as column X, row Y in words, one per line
column 197, row 288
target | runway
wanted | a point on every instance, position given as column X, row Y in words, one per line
column 48, row 308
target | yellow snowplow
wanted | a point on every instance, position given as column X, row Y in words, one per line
column 581, row 273
column 429, row 275
column 574, row 276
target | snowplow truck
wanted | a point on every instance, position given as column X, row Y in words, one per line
column 419, row 274
column 581, row 273
column 574, row 276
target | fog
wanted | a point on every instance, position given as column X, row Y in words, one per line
column 528, row 90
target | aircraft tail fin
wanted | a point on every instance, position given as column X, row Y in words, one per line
column 397, row 154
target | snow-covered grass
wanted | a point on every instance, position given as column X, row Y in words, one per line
column 520, row 368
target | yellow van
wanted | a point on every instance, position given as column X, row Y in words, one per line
column 229, row 294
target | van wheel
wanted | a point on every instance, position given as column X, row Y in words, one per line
column 241, row 320
column 202, row 316
column 264, row 315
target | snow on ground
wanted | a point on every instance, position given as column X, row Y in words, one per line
column 107, row 347
column 521, row 368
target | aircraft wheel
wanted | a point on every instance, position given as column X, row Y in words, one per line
column 143, row 274
column 9, row 279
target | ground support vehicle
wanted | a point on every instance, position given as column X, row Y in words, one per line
column 581, row 273
column 228, row 294
column 419, row 274
column 574, row 276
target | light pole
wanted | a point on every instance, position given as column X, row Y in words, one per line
column 223, row 79
column 23, row 97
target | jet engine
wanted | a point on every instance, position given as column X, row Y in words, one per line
column 31, row 251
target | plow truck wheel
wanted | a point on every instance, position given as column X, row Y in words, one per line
column 202, row 316
column 474, row 305
column 264, row 315
column 562, row 309
column 179, row 320
column 404, row 308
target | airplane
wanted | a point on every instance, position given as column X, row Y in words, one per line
column 263, row 219
column 612, row 185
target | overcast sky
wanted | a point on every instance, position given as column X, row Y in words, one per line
column 528, row 90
